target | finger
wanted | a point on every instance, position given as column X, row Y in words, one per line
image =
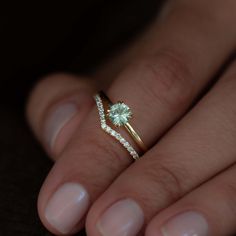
column 61, row 98
column 208, row 210
column 171, row 73
column 76, row 178
column 199, row 147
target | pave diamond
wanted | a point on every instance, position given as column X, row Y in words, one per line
column 119, row 114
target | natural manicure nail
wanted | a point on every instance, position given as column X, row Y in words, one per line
column 67, row 207
column 57, row 120
column 124, row 218
column 186, row 224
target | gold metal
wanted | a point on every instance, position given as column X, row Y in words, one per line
column 134, row 135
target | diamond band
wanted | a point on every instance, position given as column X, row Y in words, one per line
column 112, row 132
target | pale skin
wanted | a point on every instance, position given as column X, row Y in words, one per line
column 186, row 183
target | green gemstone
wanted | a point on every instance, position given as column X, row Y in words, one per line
column 119, row 114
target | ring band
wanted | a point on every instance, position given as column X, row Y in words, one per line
column 110, row 131
column 134, row 135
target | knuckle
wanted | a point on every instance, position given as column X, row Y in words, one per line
column 167, row 78
column 167, row 180
column 110, row 153
column 96, row 155
column 104, row 150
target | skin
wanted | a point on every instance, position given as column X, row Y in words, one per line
column 192, row 151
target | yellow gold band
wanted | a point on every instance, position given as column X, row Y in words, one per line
column 135, row 137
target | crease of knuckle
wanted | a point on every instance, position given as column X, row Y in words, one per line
column 168, row 79
column 95, row 158
column 105, row 152
column 169, row 182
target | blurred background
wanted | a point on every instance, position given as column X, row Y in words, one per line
column 37, row 39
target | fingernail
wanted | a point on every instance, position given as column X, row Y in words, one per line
column 124, row 218
column 57, row 120
column 67, row 207
column 186, row 224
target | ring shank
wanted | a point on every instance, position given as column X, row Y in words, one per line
column 135, row 136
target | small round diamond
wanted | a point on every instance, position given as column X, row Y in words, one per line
column 108, row 129
column 130, row 149
column 113, row 133
column 103, row 126
column 126, row 144
column 119, row 114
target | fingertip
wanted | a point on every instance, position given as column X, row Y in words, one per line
column 66, row 207
column 62, row 204
column 56, row 102
column 48, row 90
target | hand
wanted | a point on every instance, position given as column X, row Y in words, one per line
column 184, row 185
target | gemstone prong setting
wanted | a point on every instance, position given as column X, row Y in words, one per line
column 119, row 114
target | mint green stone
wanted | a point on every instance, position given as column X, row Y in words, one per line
column 119, row 114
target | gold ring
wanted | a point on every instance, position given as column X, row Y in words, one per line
column 119, row 115
column 110, row 131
